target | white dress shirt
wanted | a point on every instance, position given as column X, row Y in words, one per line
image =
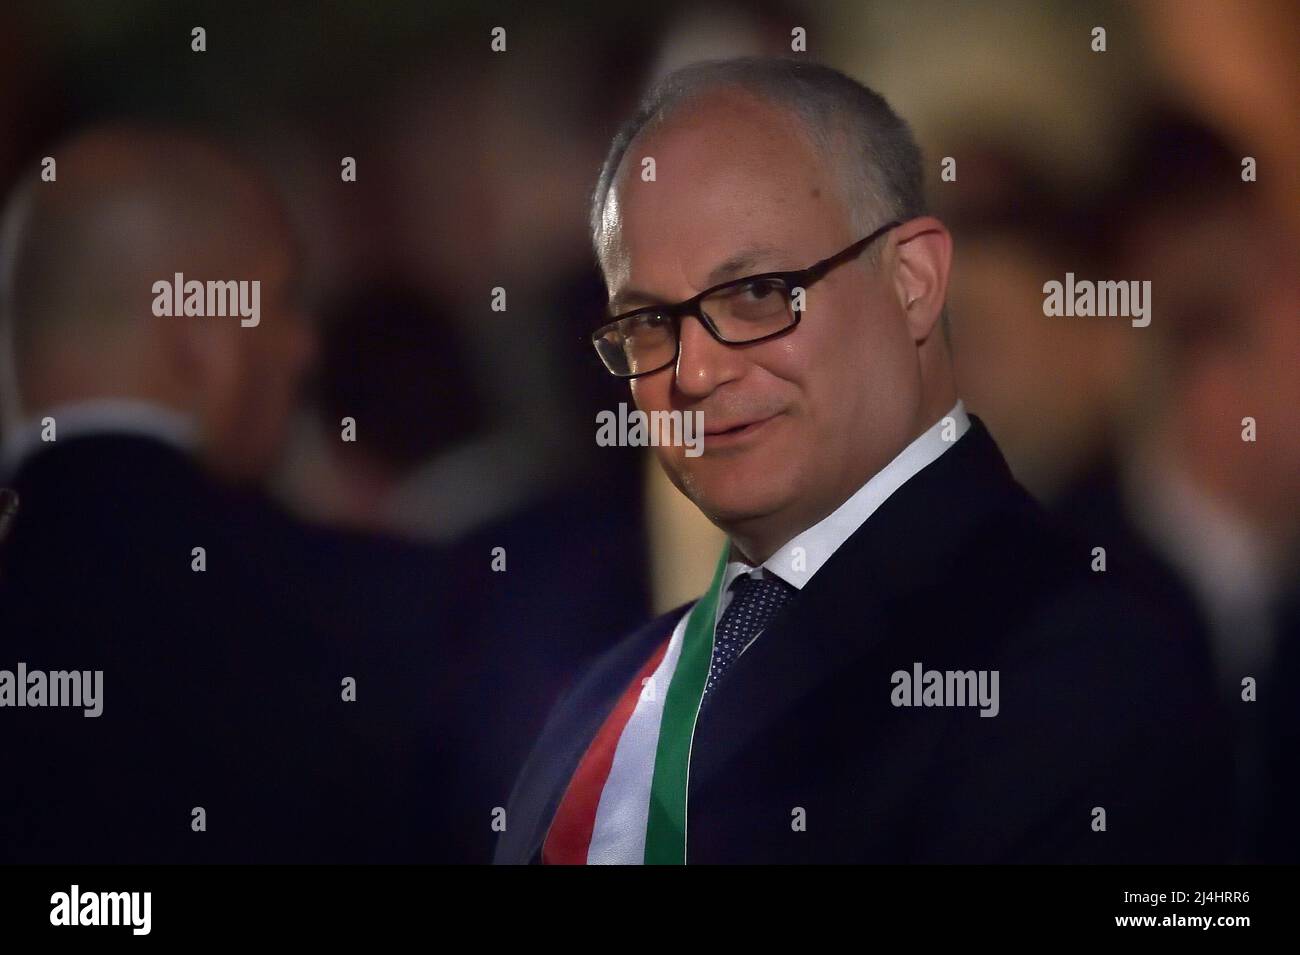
column 1232, row 572
column 99, row 416
column 799, row 559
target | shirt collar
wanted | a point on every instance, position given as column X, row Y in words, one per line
column 799, row 559
column 1228, row 561
column 100, row 416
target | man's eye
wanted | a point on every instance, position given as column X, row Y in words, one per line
column 651, row 325
column 759, row 289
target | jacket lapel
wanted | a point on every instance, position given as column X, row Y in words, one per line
column 849, row 610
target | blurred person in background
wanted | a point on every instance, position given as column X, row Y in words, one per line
column 1198, row 497
column 430, row 470
column 1051, row 390
column 135, row 439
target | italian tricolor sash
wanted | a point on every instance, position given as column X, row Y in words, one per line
column 626, row 803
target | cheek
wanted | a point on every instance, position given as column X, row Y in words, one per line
column 653, row 391
column 862, row 372
column 839, row 347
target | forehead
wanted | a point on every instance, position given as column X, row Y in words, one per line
column 731, row 171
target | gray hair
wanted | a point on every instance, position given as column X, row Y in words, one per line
column 876, row 158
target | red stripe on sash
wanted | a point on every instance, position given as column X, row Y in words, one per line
column 569, row 837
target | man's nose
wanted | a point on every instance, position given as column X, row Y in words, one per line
column 703, row 362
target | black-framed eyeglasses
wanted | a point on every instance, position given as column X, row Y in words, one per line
column 739, row 312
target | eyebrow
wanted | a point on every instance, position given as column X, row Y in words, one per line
column 737, row 265
column 742, row 262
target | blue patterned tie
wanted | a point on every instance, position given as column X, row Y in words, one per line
column 753, row 603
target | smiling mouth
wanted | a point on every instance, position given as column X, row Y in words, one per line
column 727, row 435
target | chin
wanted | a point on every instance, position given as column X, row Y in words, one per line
column 728, row 493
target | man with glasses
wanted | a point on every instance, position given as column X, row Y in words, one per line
column 898, row 659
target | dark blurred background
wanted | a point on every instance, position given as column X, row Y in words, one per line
column 474, row 169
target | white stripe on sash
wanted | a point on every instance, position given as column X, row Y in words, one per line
column 624, row 810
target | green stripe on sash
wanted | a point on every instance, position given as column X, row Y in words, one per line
column 665, row 838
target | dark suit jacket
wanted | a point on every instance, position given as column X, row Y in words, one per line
column 1263, row 733
column 222, row 689
column 528, row 630
column 1104, row 702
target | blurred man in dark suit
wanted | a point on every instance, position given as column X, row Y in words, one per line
column 899, row 658
column 1204, row 490
column 268, row 687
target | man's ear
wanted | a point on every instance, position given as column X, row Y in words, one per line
column 923, row 257
column 184, row 349
column 203, row 361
